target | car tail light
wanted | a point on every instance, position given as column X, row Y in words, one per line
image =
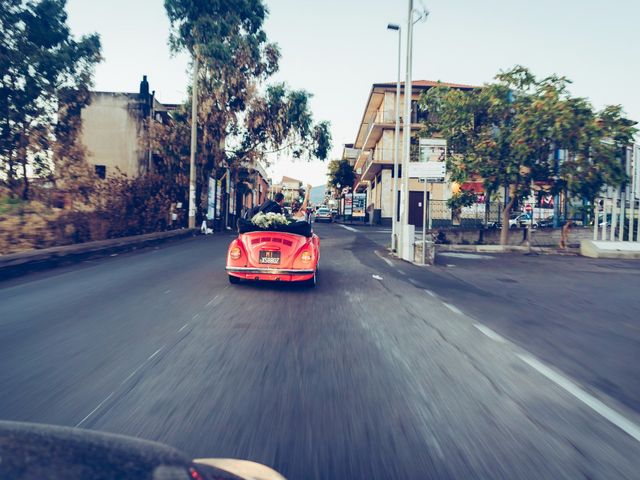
column 235, row 253
column 305, row 257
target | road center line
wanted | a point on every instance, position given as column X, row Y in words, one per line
column 348, row 228
column 589, row 400
column 453, row 308
column 490, row 333
column 119, row 385
column 154, row 353
column 94, row 410
column 212, row 300
column 183, row 327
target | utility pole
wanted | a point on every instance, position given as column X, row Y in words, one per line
column 404, row 208
column 194, row 143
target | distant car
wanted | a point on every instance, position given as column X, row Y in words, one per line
column 323, row 214
column 522, row 220
column 548, row 222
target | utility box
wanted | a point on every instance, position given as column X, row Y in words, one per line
column 407, row 242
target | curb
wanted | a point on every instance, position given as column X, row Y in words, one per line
column 504, row 249
column 18, row 264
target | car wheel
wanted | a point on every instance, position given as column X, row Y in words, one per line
column 233, row 280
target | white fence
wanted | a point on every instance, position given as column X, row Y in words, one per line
column 616, row 217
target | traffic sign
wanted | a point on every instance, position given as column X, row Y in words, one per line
column 432, row 171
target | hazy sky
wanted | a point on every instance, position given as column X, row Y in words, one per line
column 336, row 49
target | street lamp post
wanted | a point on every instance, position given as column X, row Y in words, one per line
column 396, row 146
column 405, row 243
column 404, row 207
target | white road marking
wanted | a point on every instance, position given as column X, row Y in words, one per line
column 183, row 327
column 113, row 255
column 195, row 316
column 119, row 385
column 377, row 277
column 168, row 291
column 212, row 300
column 348, row 228
column 490, row 333
column 599, row 407
column 386, row 260
column 589, row 400
column 453, row 308
column 400, row 272
column 155, row 353
column 94, row 410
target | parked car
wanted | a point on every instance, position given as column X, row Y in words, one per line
column 522, row 220
column 323, row 214
column 548, row 222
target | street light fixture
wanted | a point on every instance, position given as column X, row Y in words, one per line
column 396, row 146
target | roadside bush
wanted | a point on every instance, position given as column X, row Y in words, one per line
column 117, row 207
column 26, row 226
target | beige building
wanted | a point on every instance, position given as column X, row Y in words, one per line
column 113, row 130
column 290, row 187
column 373, row 151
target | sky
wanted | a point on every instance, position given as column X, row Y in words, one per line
column 336, row 49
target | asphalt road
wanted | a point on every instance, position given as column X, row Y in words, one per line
column 510, row 367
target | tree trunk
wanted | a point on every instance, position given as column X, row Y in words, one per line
column 10, row 176
column 504, row 232
column 25, row 179
column 23, row 160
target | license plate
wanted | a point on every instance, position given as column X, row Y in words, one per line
column 269, row 257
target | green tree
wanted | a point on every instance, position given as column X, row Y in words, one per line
column 40, row 62
column 239, row 118
column 341, row 174
column 508, row 131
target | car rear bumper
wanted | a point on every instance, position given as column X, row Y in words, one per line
column 270, row 271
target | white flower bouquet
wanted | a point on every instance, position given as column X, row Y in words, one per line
column 269, row 220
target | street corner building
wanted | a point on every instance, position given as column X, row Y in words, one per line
column 372, row 153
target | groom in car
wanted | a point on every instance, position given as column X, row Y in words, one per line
column 276, row 206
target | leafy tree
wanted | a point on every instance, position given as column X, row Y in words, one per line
column 507, row 132
column 341, row 174
column 40, row 62
column 239, row 119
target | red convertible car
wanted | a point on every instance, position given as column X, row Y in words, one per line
column 287, row 254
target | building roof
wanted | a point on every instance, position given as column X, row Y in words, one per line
column 286, row 179
column 377, row 94
column 424, row 84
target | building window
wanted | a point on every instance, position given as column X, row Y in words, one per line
column 418, row 113
column 101, row 171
